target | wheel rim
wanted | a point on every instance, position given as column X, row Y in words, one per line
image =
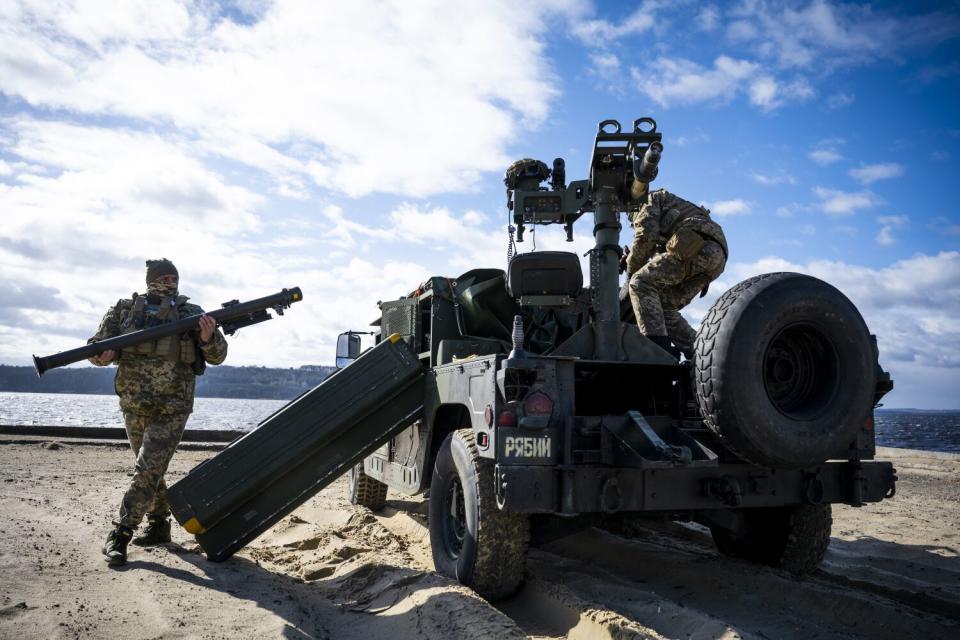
column 454, row 519
column 801, row 371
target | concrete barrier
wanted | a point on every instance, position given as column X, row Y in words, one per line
column 112, row 433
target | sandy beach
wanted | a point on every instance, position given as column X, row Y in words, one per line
column 332, row 570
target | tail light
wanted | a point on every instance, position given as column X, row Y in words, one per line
column 507, row 419
column 538, row 404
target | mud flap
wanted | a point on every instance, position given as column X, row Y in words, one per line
column 241, row 492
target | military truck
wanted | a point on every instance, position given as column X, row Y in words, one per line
column 545, row 408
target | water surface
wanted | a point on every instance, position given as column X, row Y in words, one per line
column 908, row 429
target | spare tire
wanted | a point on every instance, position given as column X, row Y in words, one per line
column 785, row 370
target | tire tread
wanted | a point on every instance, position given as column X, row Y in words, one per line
column 793, row 539
column 503, row 536
column 366, row 491
column 708, row 363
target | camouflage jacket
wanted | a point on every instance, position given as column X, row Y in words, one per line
column 149, row 383
column 661, row 217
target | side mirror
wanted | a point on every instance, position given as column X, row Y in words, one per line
column 348, row 348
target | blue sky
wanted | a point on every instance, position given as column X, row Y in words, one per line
column 355, row 150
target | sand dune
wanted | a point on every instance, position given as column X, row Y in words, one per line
column 331, row 570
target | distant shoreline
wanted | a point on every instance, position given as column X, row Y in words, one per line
column 114, row 395
column 239, row 397
column 242, row 383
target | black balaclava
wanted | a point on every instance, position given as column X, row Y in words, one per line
column 156, row 269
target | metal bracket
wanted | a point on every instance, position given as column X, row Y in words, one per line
column 546, row 301
column 666, row 451
column 727, row 488
column 231, row 326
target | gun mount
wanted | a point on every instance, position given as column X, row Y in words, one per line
column 623, row 161
column 622, row 166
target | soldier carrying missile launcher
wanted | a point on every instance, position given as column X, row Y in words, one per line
column 155, row 382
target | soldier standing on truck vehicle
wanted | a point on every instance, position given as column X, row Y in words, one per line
column 155, row 382
column 677, row 251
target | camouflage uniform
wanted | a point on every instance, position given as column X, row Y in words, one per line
column 677, row 252
column 155, row 382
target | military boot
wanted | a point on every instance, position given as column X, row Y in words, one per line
column 115, row 548
column 157, row 532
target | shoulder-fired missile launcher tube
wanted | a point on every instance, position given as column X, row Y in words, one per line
column 231, row 317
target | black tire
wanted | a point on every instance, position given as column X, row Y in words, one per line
column 790, row 538
column 473, row 541
column 785, row 370
column 366, row 491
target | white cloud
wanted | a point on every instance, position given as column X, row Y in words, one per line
column 680, row 81
column 870, row 173
column 843, row 203
column 696, row 138
column 605, row 63
column 840, row 99
column 599, row 32
column 273, row 92
column 340, row 230
column 944, row 225
column 291, row 188
column 709, row 18
column 122, row 174
column 740, row 30
column 735, row 207
column 884, row 237
column 825, row 157
column 784, row 43
column 763, row 92
column 825, row 151
column 788, row 210
column 778, row 42
column 768, row 93
column 893, row 220
column 772, row 179
column 824, row 35
column 411, row 224
column 940, row 156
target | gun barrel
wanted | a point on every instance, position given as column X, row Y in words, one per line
column 651, row 159
column 233, row 312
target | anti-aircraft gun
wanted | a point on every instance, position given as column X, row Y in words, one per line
column 622, row 166
column 527, row 404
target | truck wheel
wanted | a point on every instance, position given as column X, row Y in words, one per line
column 366, row 491
column 474, row 541
column 785, row 370
column 790, row 538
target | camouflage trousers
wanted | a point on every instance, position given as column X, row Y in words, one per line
column 666, row 284
column 154, row 439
